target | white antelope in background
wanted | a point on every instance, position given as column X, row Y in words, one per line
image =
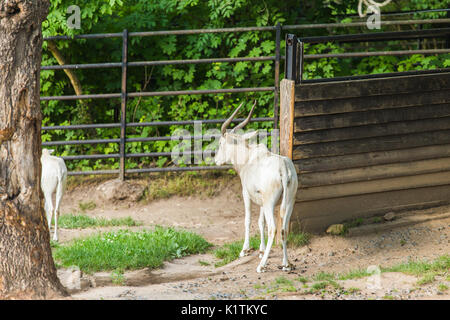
column 53, row 177
column 265, row 177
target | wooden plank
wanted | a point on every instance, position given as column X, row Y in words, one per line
column 386, row 143
column 368, row 131
column 371, row 158
column 353, row 119
column 316, row 216
column 396, row 100
column 287, row 91
column 372, row 87
column 384, row 171
column 367, row 187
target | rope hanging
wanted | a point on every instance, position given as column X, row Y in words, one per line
column 370, row 4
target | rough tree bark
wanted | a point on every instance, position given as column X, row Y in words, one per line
column 27, row 270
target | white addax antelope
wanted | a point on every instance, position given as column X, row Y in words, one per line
column 265, row 177
column 53, row 177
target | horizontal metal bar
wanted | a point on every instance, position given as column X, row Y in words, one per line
column 83, row 126
column 362, row 24
column 147, row 124
column 397, row 13
column 187, row 92
column 83, row 66
column 155, row 63
column 237, row 29
column 149, row 170
column 84, row 96
column 156, row 93
column 375, row 53
column 191, row 122
column 146, row 139
column 77, row 142
column 167, row 169
column 196, row 61
column 92, row 157
column 379, row 36
column 200, row 31
column 94, row 172
column 377, row 75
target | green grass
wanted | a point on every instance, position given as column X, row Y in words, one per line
column 298, row 239
column 73, row 221
column 353, row 274
column 126, row 250
column 442, row 287
column 186, row 184
column 84, row 206
column 230, row 251
column 424, row 269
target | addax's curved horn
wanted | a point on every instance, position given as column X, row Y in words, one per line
column 228, row 121
column 244, row 123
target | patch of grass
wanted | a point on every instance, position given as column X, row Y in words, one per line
column 351, row 290
column 324, row 276
column 298, row 239
column 186, row 184
column 117, row 277
column 230, row 251
column 377, row 220
column 354, row 223
column 85, row 206
column 281, row 284
column 73, row 221
column 203, row 263
column 426, row 279
column 422, row 268
column 319, row 286
column 442, row 287
column 302, row 280
column 353, row 274
column 387, row 297
column 128, row 250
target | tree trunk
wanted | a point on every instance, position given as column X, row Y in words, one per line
column 27, row 270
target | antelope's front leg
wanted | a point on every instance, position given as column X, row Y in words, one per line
column 247, row 205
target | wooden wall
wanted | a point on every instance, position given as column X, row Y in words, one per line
column 365, row 147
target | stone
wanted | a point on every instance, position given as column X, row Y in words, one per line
column 389, row 216
column 336, row 229
column 116, row 190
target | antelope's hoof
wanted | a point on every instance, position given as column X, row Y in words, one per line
column 261, row 254
column 260, row 269
column 244, row 253
column 289, row 267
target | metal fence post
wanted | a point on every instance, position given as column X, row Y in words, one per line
column 291, row 54
column 277, row 76
column 299, row 61
column 123, row 113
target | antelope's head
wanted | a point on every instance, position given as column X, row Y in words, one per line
column 231, row 144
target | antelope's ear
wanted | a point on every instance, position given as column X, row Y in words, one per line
column 250, row 135
column 232, row 139
column 50, row 151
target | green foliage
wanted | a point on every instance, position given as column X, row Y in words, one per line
column 126, row 250
column 230, row 251
column 73, row 221
column 143, row 15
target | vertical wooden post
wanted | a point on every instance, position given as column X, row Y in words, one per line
column 287, row 95
column 123, row 113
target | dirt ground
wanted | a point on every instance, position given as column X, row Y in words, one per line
column 220, row 220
